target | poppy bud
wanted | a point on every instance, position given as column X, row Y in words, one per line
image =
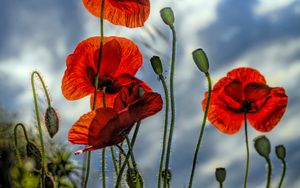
column 34, row 153
column 133, row 178
column 167, row 16
column 262, row 146
column 201, row 60
column 280, row 152
column 220, row 175
column 156, row 65
column 51, row 121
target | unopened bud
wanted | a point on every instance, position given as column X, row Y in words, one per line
column 167, row 16
column 133, row 178
column 51, row 121
column 201, row 60
column 34, row 153
column 156, row 65
column 280, row 152
column 220, row 174
column 262, row 146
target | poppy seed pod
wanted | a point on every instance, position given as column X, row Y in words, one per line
column 51, row 121
column 167, row 16
column 220, row 174
column 262, row 146
column 201, row 60
column 156, row 65
column 34, row 153
column 280, row 152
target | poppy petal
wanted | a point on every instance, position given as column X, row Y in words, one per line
column 235, row 90
column 122, row 80
column 111, row 58
column 272, row 111
column 224, row 119
column 246, row 75
column 256, row 91
column 148, row 105
column 79, row 132
column 129, row 13
column 78, row 79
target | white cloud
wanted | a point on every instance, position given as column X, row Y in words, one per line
column 269, row 6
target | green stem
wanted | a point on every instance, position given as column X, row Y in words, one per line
column 269, row 172
column 221, row 185
column 16, row 141
column 172, row 102
column 119, row 178
column 112, row 151
column 130, row 148
column 103, row 169
column 247, row 149
column 136, row 130
column 96, row 88
column 161, row 77
column 283, row 173
column 39, row 120
column 201, row 130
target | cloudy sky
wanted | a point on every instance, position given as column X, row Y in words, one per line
column 264, row 34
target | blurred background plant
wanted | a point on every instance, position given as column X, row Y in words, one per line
column 62, row 171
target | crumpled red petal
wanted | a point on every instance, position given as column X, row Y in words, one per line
column 129, row 13
column 272, row 111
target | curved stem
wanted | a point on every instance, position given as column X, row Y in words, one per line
column 165, row 128
column 247, row 149
column 44, row 87
column 201, row 130
column 16, row 141
column 136, row 130
column 283, row 173
column 130, row 148
column 39, row 121
column 172, row 103
column 269, row 172
column 96, row 88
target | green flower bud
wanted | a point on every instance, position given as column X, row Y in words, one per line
column 280, row 152
column 51, row 121
column 262, row 146
column 156, row 65
column 133, row 178
column 201, row 60
column 220, row 174
column 34, row 153
column 167, row 16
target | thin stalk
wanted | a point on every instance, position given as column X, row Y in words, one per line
column 95, row 90
column 283, row 173
column 161, row 77
column 172, row 102
column 119, row 178
column 269, row 172
column 247, row 149
column 221, row 185
column 201, row 130
column 39, row 120
column 130, row 148
column 136, row 130
column 113, row 156
column 103, row 169
column 16, row 141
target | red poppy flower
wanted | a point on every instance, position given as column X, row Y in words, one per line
column 129, row 13
column 244, row 90
column 104, row 126
column 120, row 60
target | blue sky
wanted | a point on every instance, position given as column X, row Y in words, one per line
column 264, row 34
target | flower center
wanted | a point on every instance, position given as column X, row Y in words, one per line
column 111, row 84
